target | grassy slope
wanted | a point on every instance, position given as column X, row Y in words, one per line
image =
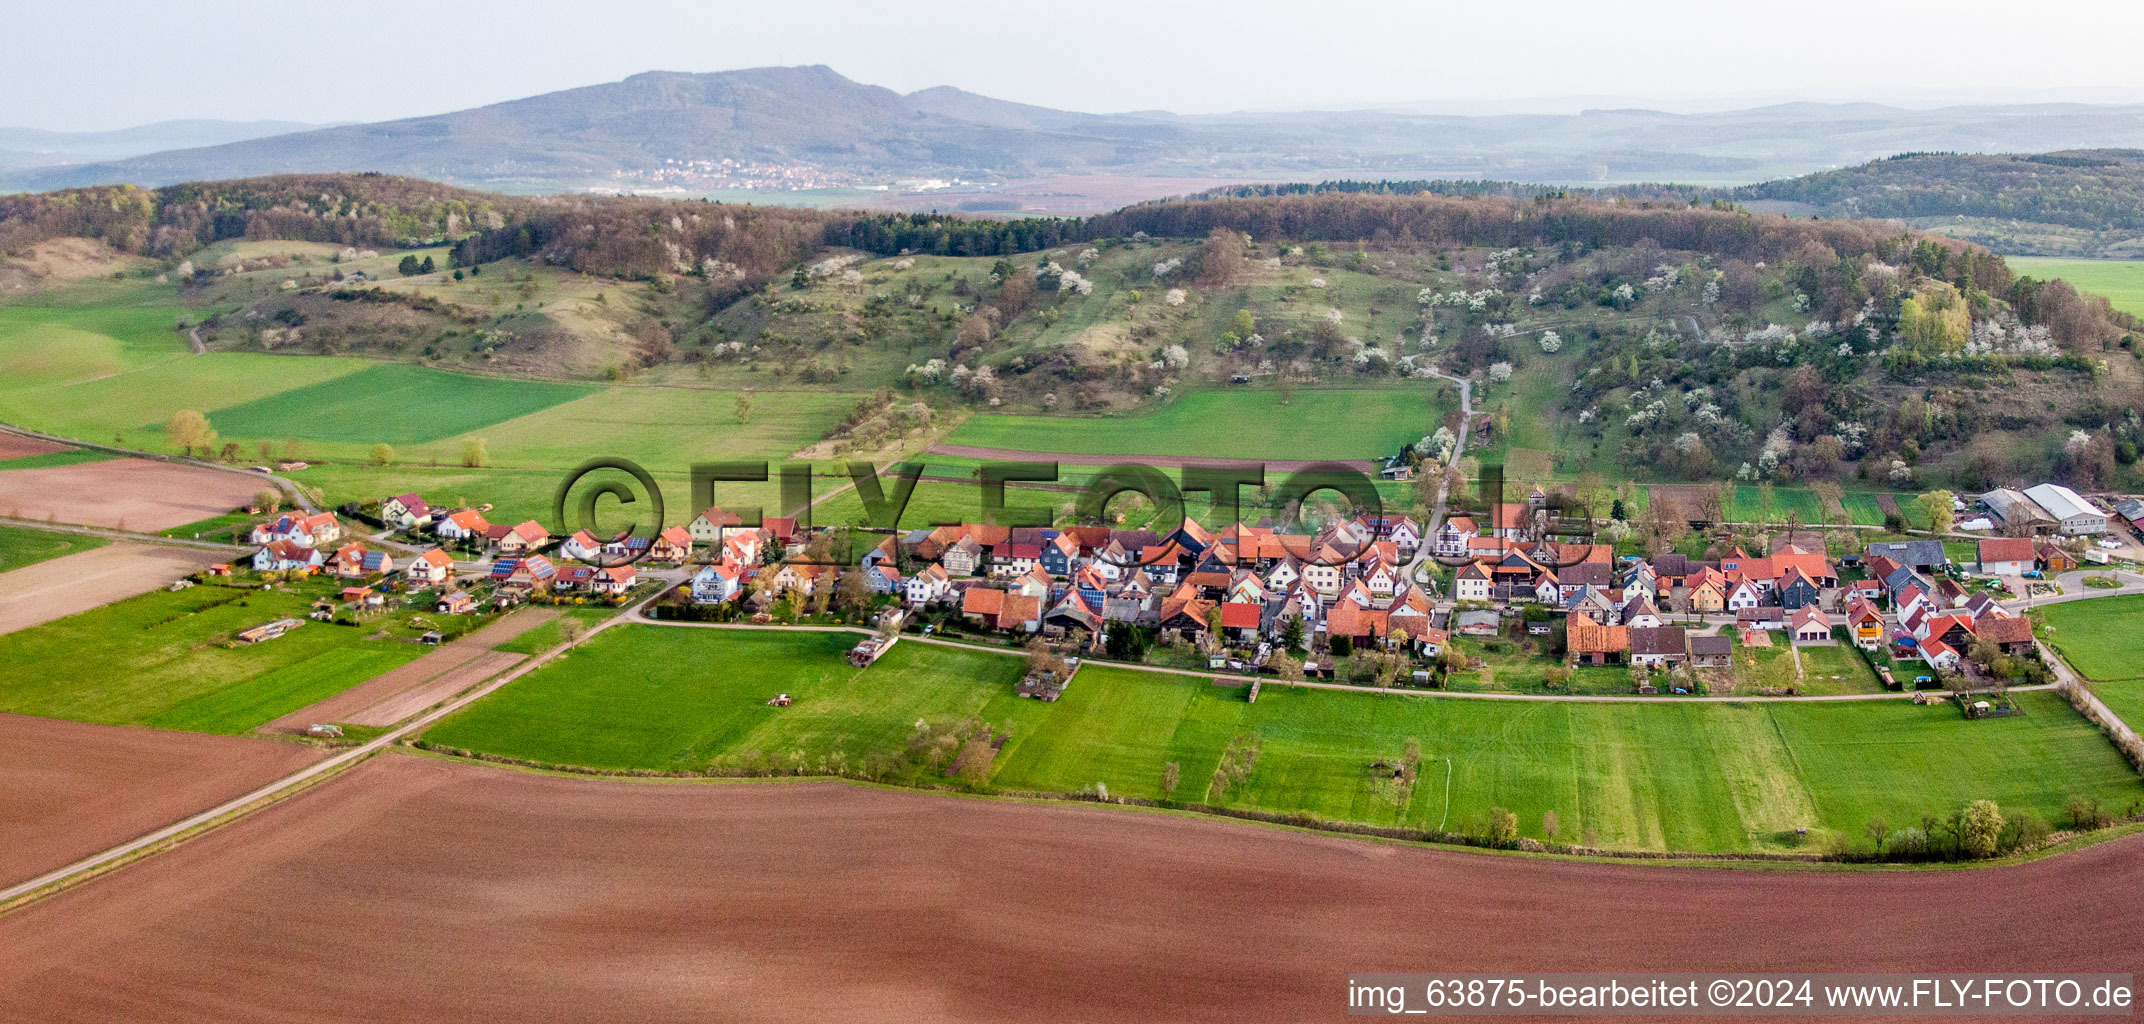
column 20, row 547
column 1232, row 424
column 1653, row 776
column 152, row 660
column 2100, row 637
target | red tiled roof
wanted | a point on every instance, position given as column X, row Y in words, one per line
column 2006, row 549
column 1239, row 615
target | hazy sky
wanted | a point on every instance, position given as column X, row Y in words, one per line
column 99, row 64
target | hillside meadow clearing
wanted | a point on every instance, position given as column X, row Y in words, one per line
column 2101, row 638
column 158, row 660
column 2121, row 281
column 1322, row 424
column 1652, row 776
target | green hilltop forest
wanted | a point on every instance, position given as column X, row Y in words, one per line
column 1619, row 338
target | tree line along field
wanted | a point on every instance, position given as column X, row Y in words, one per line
column 159, row 660
column 2121, row 281
column 1715, row 777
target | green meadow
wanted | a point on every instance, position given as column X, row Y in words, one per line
column 2103, row 638
column 1651, row 776
column 2121, row 281
column 20, row 547
column 1233, row 424
column 160, row 660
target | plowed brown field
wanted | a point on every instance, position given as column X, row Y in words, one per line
column 130, row 494
column 414, row 889
column 68, row 789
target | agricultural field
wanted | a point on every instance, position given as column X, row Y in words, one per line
column 675, row 698
column 391, row 403
column 131, row 407
column 20, row 547
column 1657, row 775
column 1233, row 424
column 159, row 660
column 2121, row 281
column 44, row 345
column 2100, row 637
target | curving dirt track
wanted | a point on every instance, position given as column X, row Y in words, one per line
column 130, row 494
column 415, row 889
column 68, row 789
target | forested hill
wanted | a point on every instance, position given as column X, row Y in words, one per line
column 2087, row 202
column 2075, row 202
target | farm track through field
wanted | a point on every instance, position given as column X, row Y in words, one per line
column 802, row 901
column 419, row 684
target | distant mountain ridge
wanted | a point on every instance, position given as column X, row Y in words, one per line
column 811, row 121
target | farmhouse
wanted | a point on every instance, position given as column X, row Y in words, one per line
column 286, row 556
column 433, row 566
column 1658, row 646
column 465, row 525
column 520, row 539
column 717, row 582
column 1811, row 626
column 708, row 526
column 672, row 545
column 404, row 510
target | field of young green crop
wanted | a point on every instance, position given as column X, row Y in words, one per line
column 1653, row 775
column 1233, row 424
column 43, row 345
column 132, row 406
column 2121, row 281
column 20, row 547
column 158, row 660
column 392, row 403
column 2099, row 637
